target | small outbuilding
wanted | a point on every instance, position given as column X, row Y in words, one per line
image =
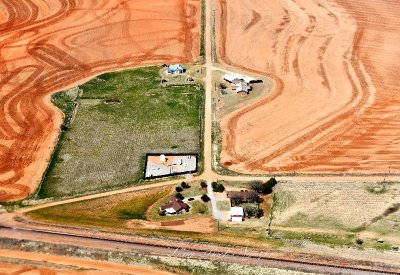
column 176, row 69
column 163, row 158
column 237, row 214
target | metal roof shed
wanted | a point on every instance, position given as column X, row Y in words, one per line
column 176, row 68
column 237, row 214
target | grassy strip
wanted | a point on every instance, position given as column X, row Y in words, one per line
column 213, row 41
column 203, row 28
column 325, row 239
column 66, row 101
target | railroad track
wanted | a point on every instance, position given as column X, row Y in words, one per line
column 203, row 254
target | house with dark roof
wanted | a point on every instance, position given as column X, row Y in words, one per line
column 243, row 196
column 175, row 206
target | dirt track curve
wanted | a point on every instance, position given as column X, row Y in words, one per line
column 49, row 45
column 335, row 106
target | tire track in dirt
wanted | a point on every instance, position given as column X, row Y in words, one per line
column 254, row 20
column 369, row 145
column 73, row 43
column 340, row 119
column 346, row 118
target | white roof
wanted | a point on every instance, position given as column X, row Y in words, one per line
column 237, row 219
column 242, row 86
column 237, row 211
column 163, row 158
column 229, row 77
column 175, row 66
column 232, row 77
column 170, row 210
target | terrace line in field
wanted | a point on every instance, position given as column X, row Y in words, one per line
column 165, row 165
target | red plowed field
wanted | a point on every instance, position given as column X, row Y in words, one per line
column 335, row 107
column 48, row 45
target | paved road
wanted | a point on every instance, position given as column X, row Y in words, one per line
column 217, row 214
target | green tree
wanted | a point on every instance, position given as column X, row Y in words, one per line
column 179, row 196
column 205, row 198
column 268, row 186
column 184, row 185
column 217, row 187
column 256, row 186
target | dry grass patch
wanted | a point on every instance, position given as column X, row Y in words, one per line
column 112, row 211
column 337, row 213
column 331, row 205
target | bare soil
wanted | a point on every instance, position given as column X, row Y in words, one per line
column 202, row 225
column 73, row 265
column 46, row 46
column 335, row 104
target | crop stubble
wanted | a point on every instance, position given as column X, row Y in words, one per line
column 335, row 105
column 46, row 46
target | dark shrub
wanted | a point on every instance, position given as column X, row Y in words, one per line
column 217, row 187
column 178, row 189
column 256, row 186
column 205, row 198
column 222, row 86
column 179, row 196
column 203, row 184
column 161, row 212
column 250, row 210
column 185, row 185
column 267, row 187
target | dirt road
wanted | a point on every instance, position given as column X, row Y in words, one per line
column 335, row 105
column 208, row 96
column 95, row 267
column 46, row 46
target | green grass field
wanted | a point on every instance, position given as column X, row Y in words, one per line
column 105, row 146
